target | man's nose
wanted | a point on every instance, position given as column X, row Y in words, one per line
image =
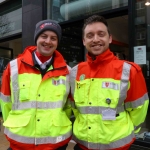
column 48, row 40
column 95, row 38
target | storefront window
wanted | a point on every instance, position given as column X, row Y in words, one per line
column 11, row 23
column 63, row 10
column 141, row 27
column 71, row 46
column 140, row 31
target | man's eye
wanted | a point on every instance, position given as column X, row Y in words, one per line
column 89, row 36
column 54, row 39
column 43, row 36
column 101, row 34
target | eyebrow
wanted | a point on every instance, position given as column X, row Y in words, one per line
column 98, row 32
column 89, row 33
column 46, row 34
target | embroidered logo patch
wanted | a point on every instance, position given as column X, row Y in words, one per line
column 48, row 24
column 107, row 84
column 58, row 82
column 82, row 77
column 110, row 85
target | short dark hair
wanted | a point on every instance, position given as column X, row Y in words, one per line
column 92, row 19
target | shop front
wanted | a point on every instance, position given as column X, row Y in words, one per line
column 10, row 28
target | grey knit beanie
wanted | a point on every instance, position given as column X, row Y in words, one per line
column 45, row 25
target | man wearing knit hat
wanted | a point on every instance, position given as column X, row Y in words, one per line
column 35, row 88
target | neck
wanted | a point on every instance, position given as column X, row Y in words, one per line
column 92, row 56
column 41, row 57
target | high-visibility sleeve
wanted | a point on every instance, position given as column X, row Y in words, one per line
column 71, row 104
column 137, row 100
column 138, row 115
column 5, row 98
column 67, row 108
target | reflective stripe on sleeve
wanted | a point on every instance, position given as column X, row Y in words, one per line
column 73, row 75
column 116, row 144
column 14, row 78
column 140, row 101
column 5, row 98
column 124, row 83
column 67, row 84
column 33, row 140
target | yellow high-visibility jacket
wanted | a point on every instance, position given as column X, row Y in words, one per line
column 34, row 107
column 111, row 102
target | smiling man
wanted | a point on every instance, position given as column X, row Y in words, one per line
column 110, row 103
column 96, row 38
column 34, row 92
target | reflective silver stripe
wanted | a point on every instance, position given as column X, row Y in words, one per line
column 17, row 105
column 67, row 86
column 140, row 101
column 97, row 109
column 39, row 105
column 73, row 75
column 14, row 78
column 69, row 68
column 58, row 82
column 124, row 83
column 116, row 144
column 34, row 140
column 5, row 98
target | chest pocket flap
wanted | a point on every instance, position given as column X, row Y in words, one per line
column 24, row 93
column 80, row 91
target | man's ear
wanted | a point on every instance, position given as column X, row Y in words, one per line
column 110, row 39
column 83, row 41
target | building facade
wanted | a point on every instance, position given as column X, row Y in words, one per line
column 128, row 20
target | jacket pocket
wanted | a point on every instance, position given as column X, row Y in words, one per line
column 24, row 93
column 14, row 121
column 60, row 124
column 61, row 119
column 114, row 129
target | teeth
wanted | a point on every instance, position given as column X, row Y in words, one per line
column 96, row 46
column 47, row 46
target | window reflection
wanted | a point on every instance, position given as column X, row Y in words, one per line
column 63, row 10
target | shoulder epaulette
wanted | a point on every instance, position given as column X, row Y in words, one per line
column 136, row 66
